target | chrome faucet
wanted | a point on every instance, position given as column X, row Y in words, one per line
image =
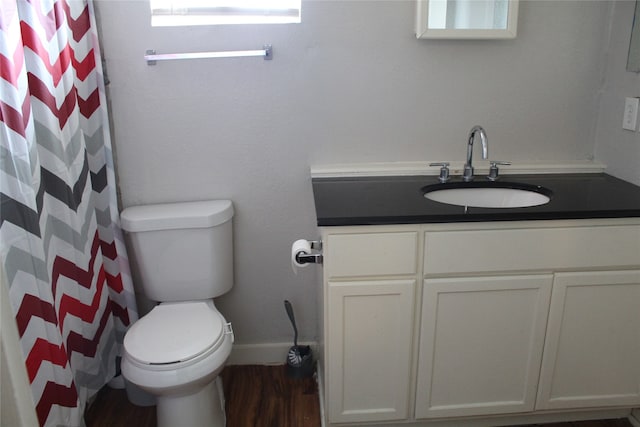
column 467, row 174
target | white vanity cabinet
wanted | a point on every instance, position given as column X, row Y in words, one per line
column 481, row 341
column 592, row 350
column 371, row 280
column 370, row 323
column 481, row 319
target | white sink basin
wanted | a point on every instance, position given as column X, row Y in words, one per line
column 487, row 196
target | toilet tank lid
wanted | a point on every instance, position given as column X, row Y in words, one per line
column 167, row 216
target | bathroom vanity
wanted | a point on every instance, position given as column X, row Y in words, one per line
column 436, row 314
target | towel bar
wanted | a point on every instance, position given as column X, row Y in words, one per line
column 151, row 57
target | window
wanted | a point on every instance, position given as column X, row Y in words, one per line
column 213, row 12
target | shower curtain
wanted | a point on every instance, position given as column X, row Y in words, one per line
column 62, row 253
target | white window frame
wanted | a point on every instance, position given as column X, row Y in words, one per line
column 219, row 12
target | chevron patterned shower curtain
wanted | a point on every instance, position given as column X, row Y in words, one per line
column 62, row 253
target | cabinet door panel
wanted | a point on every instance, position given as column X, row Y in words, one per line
column 369, row 351
column 592, row 352
column 481, row 343
column 371, row 254
column 531, row 249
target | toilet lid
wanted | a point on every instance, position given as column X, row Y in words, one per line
column 175, row 332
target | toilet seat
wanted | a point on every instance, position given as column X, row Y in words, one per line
column 174, row 333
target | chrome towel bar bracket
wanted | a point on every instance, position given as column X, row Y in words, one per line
column 151, row 57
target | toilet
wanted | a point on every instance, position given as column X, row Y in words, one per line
column 183, row 257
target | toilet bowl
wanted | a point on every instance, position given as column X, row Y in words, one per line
column 174, row 353
column 183, row 255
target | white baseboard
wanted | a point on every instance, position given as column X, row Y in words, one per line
column 634, row 417
column 264, row 354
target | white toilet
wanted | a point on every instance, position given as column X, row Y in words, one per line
column 183, row 257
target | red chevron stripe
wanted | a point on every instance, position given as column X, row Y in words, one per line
column 87, row 107
column 86, row 66
column 34, row 306
column 90, row 105
column 80, row 26
column 50, row 22
column 120, row 312
column 41, row 91
column 15, row 120
column 70, row 305
column 64, row 267
column 85, row 346
column 115, row 282
column 55, row 394
column 109, row 249
column 66, row 56
column 41, row 351
column 31, row 40
column 10, row 68
column 31, row 306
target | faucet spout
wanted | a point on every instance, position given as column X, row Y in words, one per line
column 467, row 174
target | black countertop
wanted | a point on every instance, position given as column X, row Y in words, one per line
column 400, row 200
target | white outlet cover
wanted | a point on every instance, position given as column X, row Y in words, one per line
column 630, row 118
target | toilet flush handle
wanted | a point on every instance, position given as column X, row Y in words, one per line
column 228, row 330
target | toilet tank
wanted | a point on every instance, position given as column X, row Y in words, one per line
column 181, row 251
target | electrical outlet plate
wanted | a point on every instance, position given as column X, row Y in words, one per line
column 630, row 119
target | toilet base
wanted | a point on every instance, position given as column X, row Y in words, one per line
column 204, row 408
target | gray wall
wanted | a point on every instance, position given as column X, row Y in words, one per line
column 616, row 147
column 349, row 84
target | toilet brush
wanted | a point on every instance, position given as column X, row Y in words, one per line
column 299, row 360
column 293, row 357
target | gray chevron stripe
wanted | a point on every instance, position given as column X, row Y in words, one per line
column 18, row 260
column 63, row 231
column 54, row 145
column 33, row 162
column 95, row 142
column 99, row 180
column 58, row 187
column 76, row 238
column 104, row 218
column 15, row 167
column 19, row 214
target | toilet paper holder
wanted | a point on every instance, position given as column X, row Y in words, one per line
column 305, row 258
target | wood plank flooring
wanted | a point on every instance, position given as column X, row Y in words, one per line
column 256, row 396
column 264, row 396
column 597, row 423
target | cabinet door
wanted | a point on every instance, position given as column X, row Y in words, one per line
column 592, row 350
column 369, row 350
column 481, row 343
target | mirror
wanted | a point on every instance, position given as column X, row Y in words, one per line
column 633, row 62
column 466, row 19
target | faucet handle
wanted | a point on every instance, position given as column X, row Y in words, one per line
column 444, row 170
column 493, row 170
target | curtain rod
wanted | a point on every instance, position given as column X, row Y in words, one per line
column 151, row 57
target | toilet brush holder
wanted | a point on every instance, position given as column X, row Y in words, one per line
column 299, row 362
